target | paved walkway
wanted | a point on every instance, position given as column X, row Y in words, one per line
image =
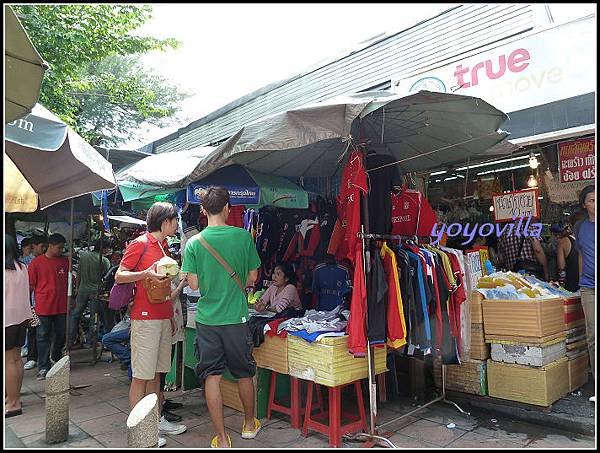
column 98, row 413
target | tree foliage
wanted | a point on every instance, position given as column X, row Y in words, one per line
column 95, row 82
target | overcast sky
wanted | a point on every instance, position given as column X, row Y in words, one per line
column 230, row 50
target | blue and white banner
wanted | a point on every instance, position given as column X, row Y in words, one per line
column 239, row 195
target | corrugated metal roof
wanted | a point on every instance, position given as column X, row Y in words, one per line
column 453, row 34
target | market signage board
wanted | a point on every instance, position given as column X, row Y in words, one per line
column 513, row 205
column 576, row 160
column 542, row 67
column 238, row 195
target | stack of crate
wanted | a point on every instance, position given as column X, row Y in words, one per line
column 576, row 342
column 528, row 353
column 480, row 350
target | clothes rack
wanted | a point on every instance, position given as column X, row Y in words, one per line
column 372, row 388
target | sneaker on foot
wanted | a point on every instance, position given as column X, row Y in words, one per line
column 30, row 364
column 162, row 442
column 593, row 399
column 41, row 375
column 251, row 433
column 166, row 427
column 24, row 352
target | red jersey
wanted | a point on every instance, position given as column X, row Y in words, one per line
column 354, row 182
column 357, row 327
column 236, row 216
column 142, row 308
column 49, row 279
column 410, row 208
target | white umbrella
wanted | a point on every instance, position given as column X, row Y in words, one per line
column 56, row 162
column 24, row 69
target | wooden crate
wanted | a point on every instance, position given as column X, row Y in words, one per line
column 328, row 361
column 272, row 354
column 532, row 385
column 468, row 377
column 524, row 318
column 479, row 349
column 475, row 301
column 578, row 371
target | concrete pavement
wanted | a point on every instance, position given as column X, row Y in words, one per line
column 98, row 412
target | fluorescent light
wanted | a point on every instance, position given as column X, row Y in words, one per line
column 435, row 173
column 450, row 178
column 503, row 169
column 501, row 161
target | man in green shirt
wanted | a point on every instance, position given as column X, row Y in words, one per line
column 222, row 336
column 89, row 274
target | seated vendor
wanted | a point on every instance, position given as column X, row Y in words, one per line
column 282, row 293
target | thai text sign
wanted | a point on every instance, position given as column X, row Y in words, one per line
column 576, row 160
column 238, row 195
column 522, row 203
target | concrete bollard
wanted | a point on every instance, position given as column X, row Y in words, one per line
column 57, row 401
column 142, row 423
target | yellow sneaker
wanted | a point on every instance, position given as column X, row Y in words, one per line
column 214, row 443
column 251, row 434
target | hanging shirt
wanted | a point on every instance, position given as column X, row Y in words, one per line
column 236, row 216
column 412, row 214
column 354, row 183
column 378, row 294
column 381, row 183
column 331, row 284
column 423, row 316
column 357, row 338
column 396, row 325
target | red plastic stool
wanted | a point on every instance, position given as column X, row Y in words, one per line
column 335, row 429
column 295, row 408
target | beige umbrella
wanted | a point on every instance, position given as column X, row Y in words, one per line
column 24, row 69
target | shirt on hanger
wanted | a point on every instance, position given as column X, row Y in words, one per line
column 412, row 214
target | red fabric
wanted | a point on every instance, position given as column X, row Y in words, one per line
column 236, row 216
column 438, row 306
column 337, row 236
column 357, row 327
column 395, row 326
column 49, row 279
column 142, row 308
column 407, row 207
column 457, row 297
column 274, row 325
column 354, row 182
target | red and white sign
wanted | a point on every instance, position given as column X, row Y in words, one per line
column 513, row 205
column 577, row 160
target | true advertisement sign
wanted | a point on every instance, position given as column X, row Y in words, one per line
column 511, row 205
column 577, row 160
column 549, row 65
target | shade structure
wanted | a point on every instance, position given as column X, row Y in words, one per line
column 24, row 69
column 421, row 131
column 19, row 195
column 165, row 173
column 54, row 160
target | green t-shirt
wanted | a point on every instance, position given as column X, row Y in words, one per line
column 88, row 272
column 221, row 301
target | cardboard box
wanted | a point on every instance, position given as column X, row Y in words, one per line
column 539, row 386
column 475, row 301
column 272, row 354
column 532, row 355
column 578, row 371
column 479, row 349
column 328, row 361
column 468, row 377
column 524, row 318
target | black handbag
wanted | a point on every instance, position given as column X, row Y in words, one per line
column 530, row 266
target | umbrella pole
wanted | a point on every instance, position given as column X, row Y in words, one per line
column 70, row 280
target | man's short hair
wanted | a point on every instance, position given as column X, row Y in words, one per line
column 98, row 243
column 38, row 239
column 214, row 198
column 584, row 193
column 56, row 238
column 26, row 242
column 158, row 213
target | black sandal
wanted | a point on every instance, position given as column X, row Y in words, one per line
column 13, row 413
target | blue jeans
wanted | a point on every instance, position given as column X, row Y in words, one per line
column 50, row 326
column 113, row 341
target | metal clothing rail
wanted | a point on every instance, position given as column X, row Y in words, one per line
column 372, row 388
